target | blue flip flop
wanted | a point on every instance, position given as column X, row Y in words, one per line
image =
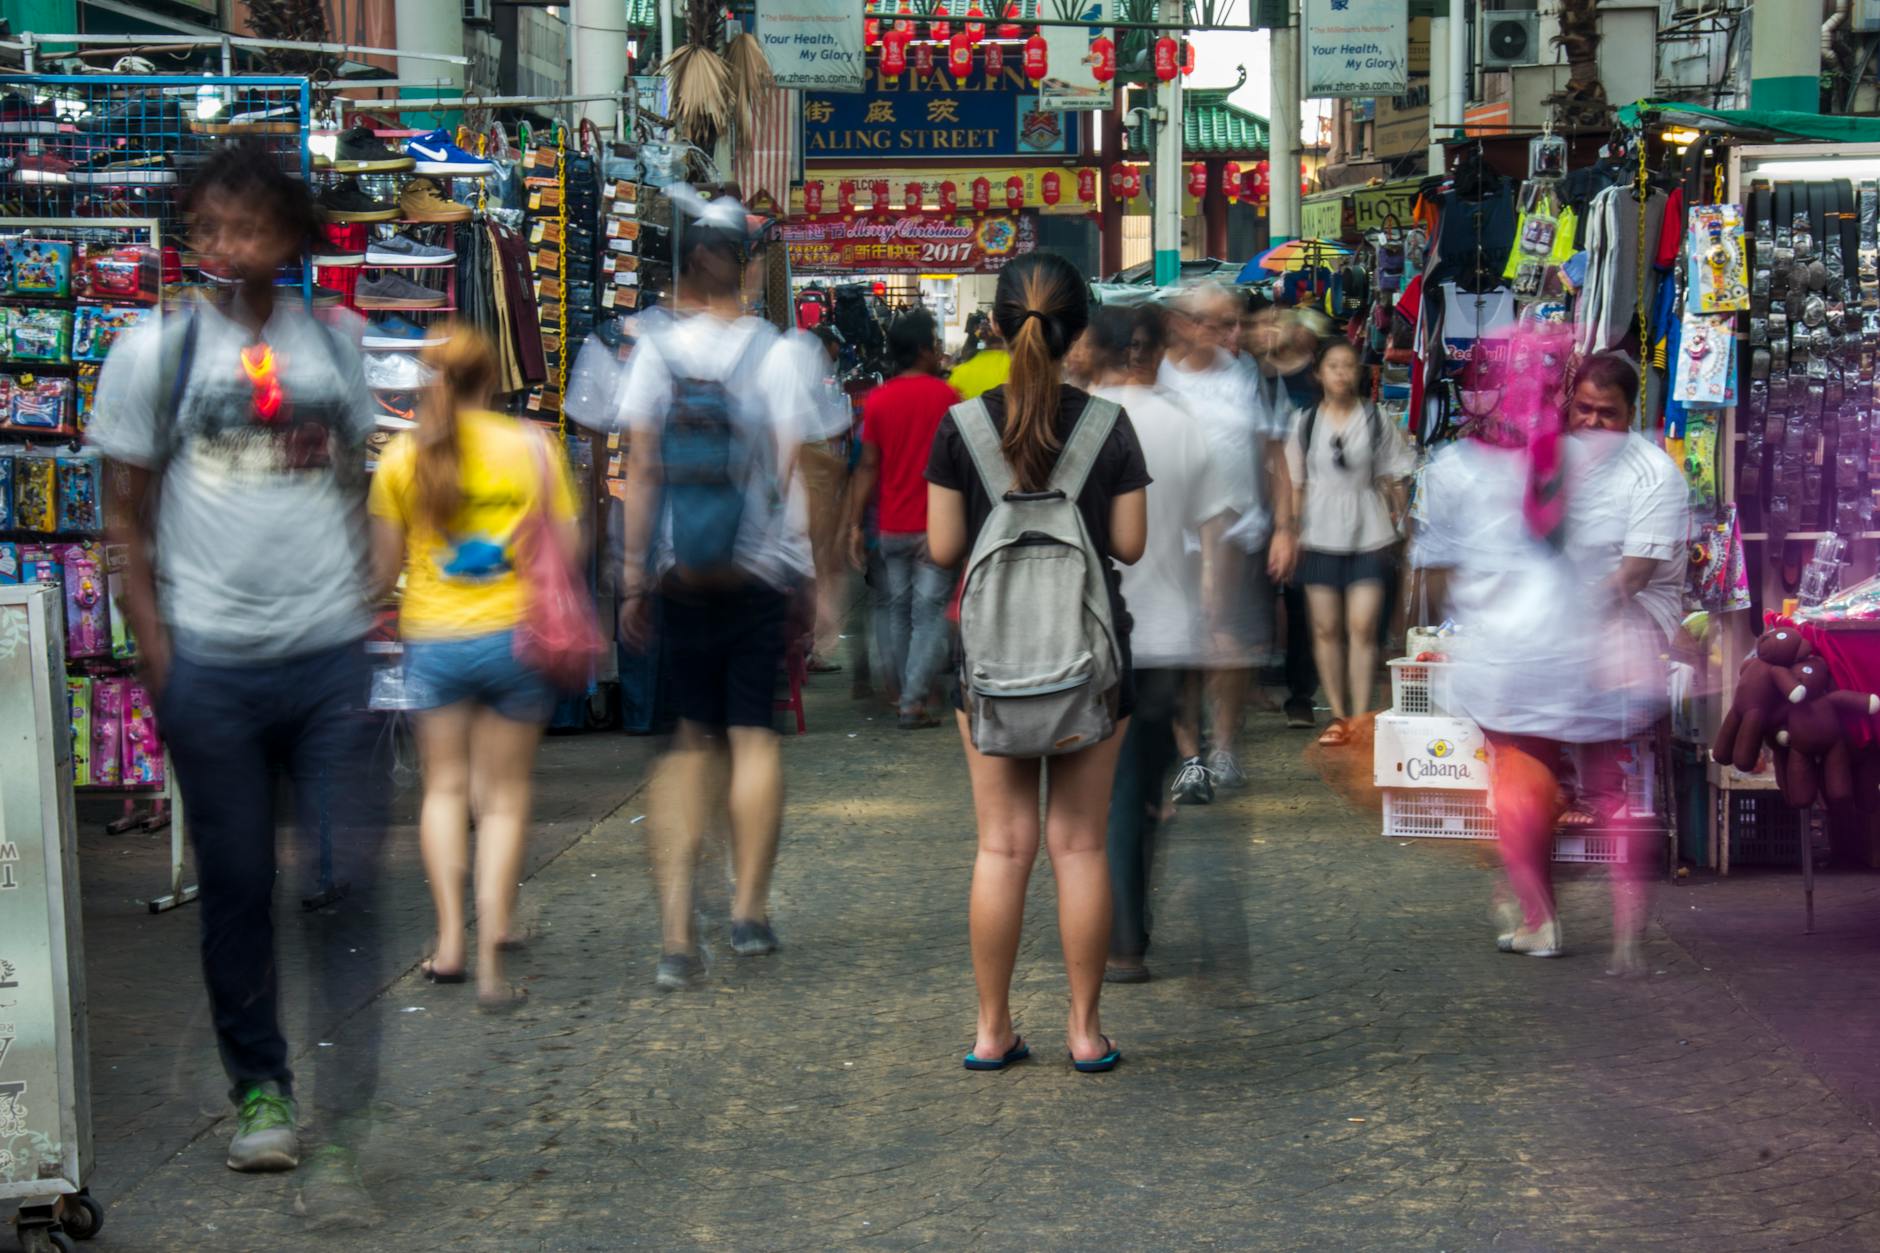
column 1017, row 1053
column 1098, row 1065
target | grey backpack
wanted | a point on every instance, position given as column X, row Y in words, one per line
column 1040, row 670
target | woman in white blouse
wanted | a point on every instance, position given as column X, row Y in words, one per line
column 1349, row 464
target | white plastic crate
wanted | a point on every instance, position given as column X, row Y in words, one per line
column 1420, row 689
column 1442, row 815
column 1588, row 846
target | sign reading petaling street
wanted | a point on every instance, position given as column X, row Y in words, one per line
column 1356, row 47
column 935, row 116
column 909, row 242
column 813, row 44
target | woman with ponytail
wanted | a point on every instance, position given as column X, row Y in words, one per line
column 1042, row 306
column 448, row 503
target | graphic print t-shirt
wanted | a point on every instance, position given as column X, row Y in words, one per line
column 463, row 583
column 260, row 542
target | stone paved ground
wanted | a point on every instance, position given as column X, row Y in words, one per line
column 1333, row 1056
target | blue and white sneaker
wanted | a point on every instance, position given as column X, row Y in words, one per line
column 392, row 331
column 435, row 153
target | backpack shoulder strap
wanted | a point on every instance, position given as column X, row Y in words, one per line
column 1080, row 451
column 1306, row 424
column 177, row 355
column 982, row 441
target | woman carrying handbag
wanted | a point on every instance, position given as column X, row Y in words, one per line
column 477, row 511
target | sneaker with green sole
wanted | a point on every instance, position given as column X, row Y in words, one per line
column 266, row 1137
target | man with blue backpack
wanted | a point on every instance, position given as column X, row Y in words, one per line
column 715, row 402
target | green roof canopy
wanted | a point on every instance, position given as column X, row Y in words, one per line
column 1211, row 127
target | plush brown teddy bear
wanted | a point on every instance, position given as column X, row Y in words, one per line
column 1814, row 755
column 1763, row 687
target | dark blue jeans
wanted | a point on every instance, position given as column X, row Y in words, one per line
column 1136, row 806
column 232, row 731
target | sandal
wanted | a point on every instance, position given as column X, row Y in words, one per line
column 1017, row 1053
column 434, row 975
column 1577, row 815
column 1099, row 1065
column 507, row 1003
column 1335, row 736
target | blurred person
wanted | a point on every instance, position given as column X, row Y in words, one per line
column 984, row 368
column 451, row 504
column 234, row 433
column 716, row 404
column 1349, row 464
column 1203, row 372
column 825, row 466
column 1265, row 335
column 899, row 420
column 1171, row 593
column 1079, row 365
column 1042, row 306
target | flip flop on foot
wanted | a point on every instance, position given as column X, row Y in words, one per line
column 1098, row 1065
column 432, row 973
column 508, row 1001
column 1335, row 736
column 1017, row 1053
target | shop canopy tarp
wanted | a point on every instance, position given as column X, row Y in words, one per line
column 1777, row 123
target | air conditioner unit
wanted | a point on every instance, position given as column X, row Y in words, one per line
column 1510, row 39
column 476, row 12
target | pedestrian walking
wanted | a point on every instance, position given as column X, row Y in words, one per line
column 715, row 404
column 234, row 432
column 825, row 466
column 453, row 504
column 899, row 420
column 1065, row 686
column 1276, row 370
column 1348, row 465
column 1173, row 594
column 985, row 364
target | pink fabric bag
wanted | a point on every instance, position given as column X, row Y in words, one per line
column 558, row 637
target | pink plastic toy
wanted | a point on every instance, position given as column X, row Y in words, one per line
column 143, row 754
column 107, row 731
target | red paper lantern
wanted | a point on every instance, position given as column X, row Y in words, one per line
column 911, row 198
column 902, row 24
column 812, row 197
column 1048, row 187
column 960, row 55
column 1198, row 179
column 1037, row 58
column 871, row 31
column 1188, row 58
column 940, row 32
column 1132, row 182
column 845, row 196
column 880, row 288
column 1165, row 54
column 982, row 194
column 880, row 191
column 1015, row 192
column 995, row 60
column 1260, row 182
column 1010, row 29
column 1230, row 181
column 1102, row 58
column 949, row 197
column 1087, row 185
column 894, row 53
column 923, row 60
column 1116, row 179
column 975, row 23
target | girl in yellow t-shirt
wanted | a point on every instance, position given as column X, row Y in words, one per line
column 448, row 503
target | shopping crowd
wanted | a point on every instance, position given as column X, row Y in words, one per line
column 1091, row 547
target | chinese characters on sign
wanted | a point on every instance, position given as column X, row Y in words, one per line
column 938, row 115
column 1356, row 47
column 907, row 243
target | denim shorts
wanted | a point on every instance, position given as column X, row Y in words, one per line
column 483, row 670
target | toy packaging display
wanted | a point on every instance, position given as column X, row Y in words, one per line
column 39, row 404
column 9, row 562
column 41, row 267
column 39, row 564
column 7, row 462
column 143, row 754
column 84, row 393
column 87, row 609
column 78, row 494
column 132, row 272
column 1718, row 274
column 78, row 696
column 117, row 559
column 96, row 327
column 107, row 731
column 35, row 494
column 39, row 335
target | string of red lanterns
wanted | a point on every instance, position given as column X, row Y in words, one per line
column 914, row 193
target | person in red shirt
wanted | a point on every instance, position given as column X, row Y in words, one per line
column 899, row 419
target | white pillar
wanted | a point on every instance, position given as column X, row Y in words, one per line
column 1458, row 38
column 1283, row 135
column 1439, row 90
column 599, row 62
column 1167, row 208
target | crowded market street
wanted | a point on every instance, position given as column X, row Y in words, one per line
column 1329, row 1057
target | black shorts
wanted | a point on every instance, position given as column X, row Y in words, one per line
column 724, row 650
column 1341, row 570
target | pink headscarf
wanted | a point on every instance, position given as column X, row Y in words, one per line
column 1512, row 395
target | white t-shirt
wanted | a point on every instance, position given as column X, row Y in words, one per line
column 1345, row 511
column 1163, row 588
column 1222, row 398
column 766, row 376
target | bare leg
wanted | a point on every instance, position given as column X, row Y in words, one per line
column 443, row 737
column 1364, row 606
column 681, row 810
column 1076, row 829
column 1188, row 718
column 1005, row 803
column 1227, row 690
column 756, row 798
column 1326, row 608
column 504, row 755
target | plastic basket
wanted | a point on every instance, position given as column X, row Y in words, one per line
column 1765, row 830
column 1442, row 815
column 1589, row 846
column 1420, row 688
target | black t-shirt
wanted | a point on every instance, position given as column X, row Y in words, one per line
column 1119, row 470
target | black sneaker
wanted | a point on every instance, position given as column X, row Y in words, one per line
column 678, row 972
column 753, row 939
column 361, row 152
column 1194, row 785
column 1299, row 715
column 347, row 202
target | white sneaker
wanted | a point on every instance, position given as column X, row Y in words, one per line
column 1225, row 769
column 1542, row 941
column 1193, row 784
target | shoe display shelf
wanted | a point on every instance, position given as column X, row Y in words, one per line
column 68, row 288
